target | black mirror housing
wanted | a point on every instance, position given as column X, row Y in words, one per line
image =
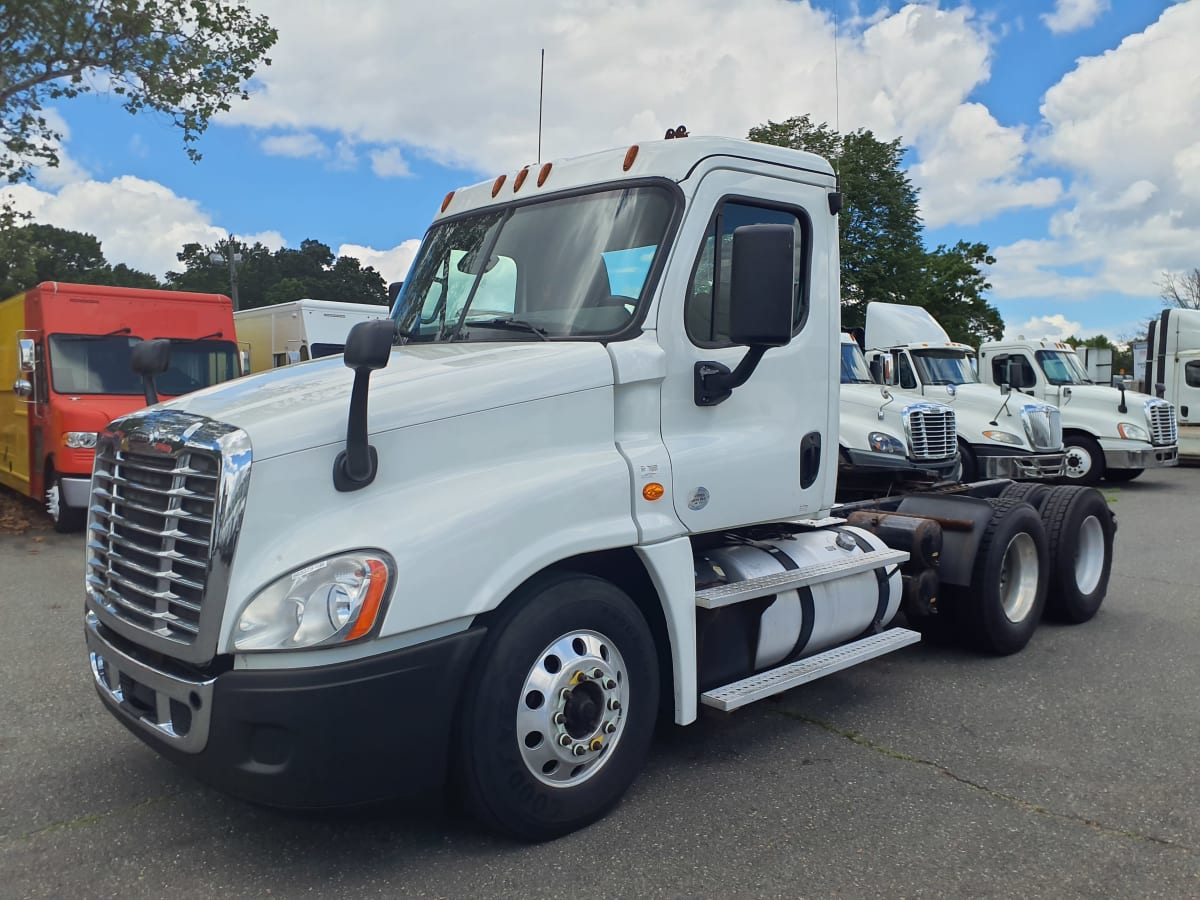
column 762, row 285
column 151, row 357
column 369, row 344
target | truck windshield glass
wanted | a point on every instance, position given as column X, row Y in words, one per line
column 196, row 364
column 93, row 364
column 854, row 367
column 944, row 367
column 1062, row 367
column 572, row 267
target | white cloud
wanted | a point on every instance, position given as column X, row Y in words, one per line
column 140, row 223
column 392, row 264
column 68, row 169
column 298, row 145
column 389, row 163
column 1072, row 15
column 1053, row 327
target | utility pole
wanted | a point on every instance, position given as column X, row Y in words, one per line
column 233, row 259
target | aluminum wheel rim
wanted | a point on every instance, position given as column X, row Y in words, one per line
column 1078, row 462
column 572, row 709
column 1019, row 577
column 1089, row 555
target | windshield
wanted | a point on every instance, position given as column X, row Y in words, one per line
column 196, row 364
column 1062, row 367
column 102, row 364
column 561, row 268
column 944, row 367
column 854, row 367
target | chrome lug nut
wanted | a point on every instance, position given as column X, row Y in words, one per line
column 564, row 740
column 580, row 749
column 559, row 718
column 609, row 684
column 597, row 674
column 610, row 727
column 596, row 744
column 614, row 703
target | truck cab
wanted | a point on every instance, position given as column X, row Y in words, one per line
column 1109, row 432
column 585, row 475
column 1173, row 362
column 998, row 437
column 886, row 437
column 69, row 348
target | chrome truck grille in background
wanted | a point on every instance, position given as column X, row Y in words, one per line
column 1043, row 426
column 931, row 431
column 1160, row 415
column 168, row 490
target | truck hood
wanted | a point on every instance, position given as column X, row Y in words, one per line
column 305, row 405
column 1104, row 398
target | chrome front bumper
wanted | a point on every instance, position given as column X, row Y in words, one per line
column 1035, row 467
column 167, row 706
column 1142, row 458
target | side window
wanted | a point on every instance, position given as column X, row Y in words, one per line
column 706, row 307
column 908, row 380
column 1191, row 373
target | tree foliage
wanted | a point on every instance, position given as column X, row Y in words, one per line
column 1181, row 289
column 265, row 277
column 184, row 59
column 34, row 253
column 882, row 254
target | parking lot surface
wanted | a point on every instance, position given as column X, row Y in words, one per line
column 1071, row 769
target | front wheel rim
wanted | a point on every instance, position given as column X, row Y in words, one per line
column 1078, row 462
column 573, row 708
column 1019, row 577
column 1089, row 555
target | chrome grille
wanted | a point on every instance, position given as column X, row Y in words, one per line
column 931, row 432
column 1164, row 430
column 1043, row 426
column 149, row 537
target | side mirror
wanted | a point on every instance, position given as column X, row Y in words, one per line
column 394, row 292
column 762, row 301
column 876, row 367
column 148, row 359
column 23, row 388
column 26, row 355
column 368, row 347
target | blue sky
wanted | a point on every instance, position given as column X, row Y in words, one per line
column 1062, row 133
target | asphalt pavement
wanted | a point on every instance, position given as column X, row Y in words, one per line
column 1068, row 770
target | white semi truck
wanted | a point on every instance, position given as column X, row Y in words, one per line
column 1173, row 362
column 997, row 438
column 586, row 489
column 886, row 437
column 1108, row 431
column 299, row 330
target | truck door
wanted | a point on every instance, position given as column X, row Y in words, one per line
column 767, row 451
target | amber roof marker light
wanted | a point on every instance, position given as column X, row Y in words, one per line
column 446, row 202
column 544, row 174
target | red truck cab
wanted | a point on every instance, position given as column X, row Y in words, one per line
column 69, row 347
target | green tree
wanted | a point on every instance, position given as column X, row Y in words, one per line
column 1122, row 354
column 34, row 253
column 882, row 254
column 185, row 60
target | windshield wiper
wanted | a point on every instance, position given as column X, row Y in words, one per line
column 512, row 323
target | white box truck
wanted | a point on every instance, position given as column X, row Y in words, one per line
column 1172, row 366
column 594, row 482
column 299, row 330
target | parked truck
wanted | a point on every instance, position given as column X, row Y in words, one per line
column 887, row 438
column 1108, row 431
column 68, row 347
column 997, row 438
column 1172, row 368
column 595, row 481
column 299, row 330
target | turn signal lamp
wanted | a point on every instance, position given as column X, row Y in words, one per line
column 370, row 604
column 446, row 202
column 653, row 491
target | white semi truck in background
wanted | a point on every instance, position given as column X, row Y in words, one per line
column 1108, row 431
column 593, row 479
column 299, row 330
column 997, row 439
column 1172, row 369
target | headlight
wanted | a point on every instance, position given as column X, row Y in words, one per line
column 80, row 440
column 1003, row 437
column 1132, row 432
column 885, row 443
column 329, row 602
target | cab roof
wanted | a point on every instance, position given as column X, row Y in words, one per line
column 674, row 159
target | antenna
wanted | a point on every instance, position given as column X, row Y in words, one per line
column 541, row 94
column 837, row 110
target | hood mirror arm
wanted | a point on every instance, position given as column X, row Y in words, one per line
column 1122, row 408
column 368, row 347
column 1007, row 391
column 887, row 398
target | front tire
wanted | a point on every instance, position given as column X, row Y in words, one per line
column 1084, row 463
column 1079, row 531
column 560, row 709
column 1122, row 475
column 66, row 519
column 1000, row 610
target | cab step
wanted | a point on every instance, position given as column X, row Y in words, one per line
column 764, row 586
column 784, row 678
